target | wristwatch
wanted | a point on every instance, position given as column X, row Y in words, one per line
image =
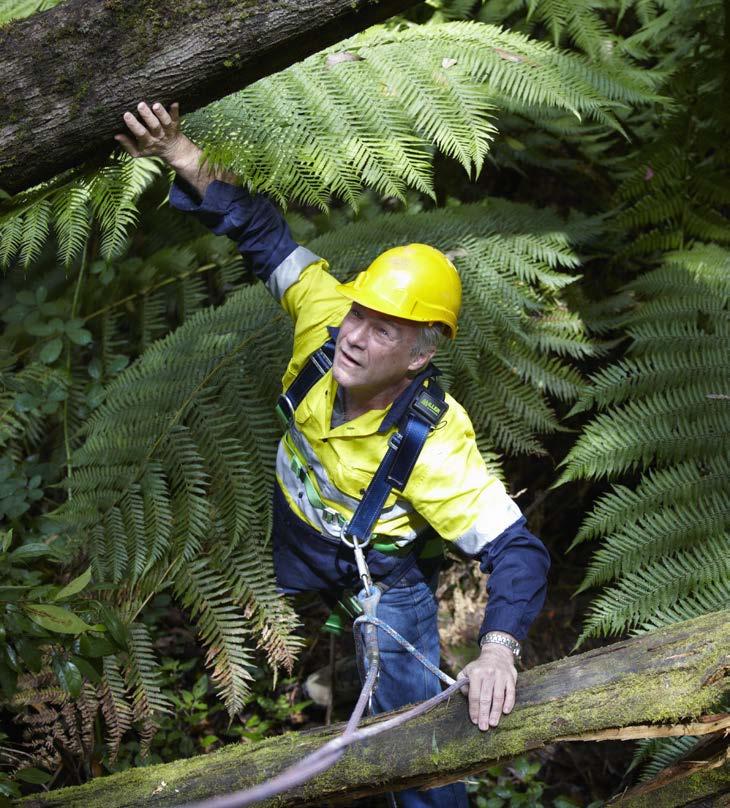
column 500, row 639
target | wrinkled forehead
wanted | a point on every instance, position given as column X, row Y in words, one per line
column 404, row 326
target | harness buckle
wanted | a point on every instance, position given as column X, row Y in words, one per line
column 429, row 407
column 330, row 516
column 395, row 440
column 285, row 410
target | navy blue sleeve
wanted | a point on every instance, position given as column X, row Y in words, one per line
column 251, row 220
column 517, row 563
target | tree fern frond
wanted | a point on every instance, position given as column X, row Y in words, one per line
column 658, row 753
column 330, row 117
column 20, row 9
column 113, row 192
column 114, row 707
column 677, row 485
column 205, row 593
column 142, row 677
column 71, row 221
column 638, row 595
column 36, row 224
column 657, row 534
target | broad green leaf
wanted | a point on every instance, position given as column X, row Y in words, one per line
column 68, row 675
column 51, row 351
column 33, row 775
column 12, row 594
column 55, row 618
column 74, row 586
column 8, row 680
column 30, row 654
column 87, row 669
column 28, row 551
column 91, row 646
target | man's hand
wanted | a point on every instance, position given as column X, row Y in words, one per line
column 491, row 688
column 157, row 134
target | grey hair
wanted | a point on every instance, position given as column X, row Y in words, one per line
column 428, row 338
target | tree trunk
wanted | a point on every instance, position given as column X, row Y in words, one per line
column 69, row 73
column 670, row 675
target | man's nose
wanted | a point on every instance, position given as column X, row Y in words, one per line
column 357, row 335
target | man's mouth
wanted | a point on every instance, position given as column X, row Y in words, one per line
column 349, row 358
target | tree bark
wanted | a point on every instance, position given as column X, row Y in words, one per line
column 667, row 676
column 69, row 73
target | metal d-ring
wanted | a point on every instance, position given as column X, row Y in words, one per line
column 353, row 541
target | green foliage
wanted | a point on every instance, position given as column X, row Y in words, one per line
column 512, row 785
column 665, row 411
column 107, row 198
column 367, row 110
column 19, row 9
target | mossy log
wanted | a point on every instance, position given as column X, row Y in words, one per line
column 70, row 72
column 671, row 675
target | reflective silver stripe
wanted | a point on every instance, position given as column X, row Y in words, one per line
column 497, row 511
column 329, row 490
column 322, row 521
column 289, row 270
column 291, row 483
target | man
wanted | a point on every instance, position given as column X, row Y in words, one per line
column 386, row 324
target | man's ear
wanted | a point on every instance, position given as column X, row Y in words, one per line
column 418, row 363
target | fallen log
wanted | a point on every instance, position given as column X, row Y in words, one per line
column 670, row 676
column 69, row 73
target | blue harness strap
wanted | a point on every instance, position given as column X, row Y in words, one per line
column 319, row 362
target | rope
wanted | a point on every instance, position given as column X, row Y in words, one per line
column 326, row 756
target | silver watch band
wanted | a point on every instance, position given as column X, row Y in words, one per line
column 500, row 639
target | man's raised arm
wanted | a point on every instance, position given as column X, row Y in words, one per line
column 251, row 220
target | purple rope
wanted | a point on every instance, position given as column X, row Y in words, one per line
column 376, row 621
column 327, row 755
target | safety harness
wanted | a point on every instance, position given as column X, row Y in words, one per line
column 424, row 410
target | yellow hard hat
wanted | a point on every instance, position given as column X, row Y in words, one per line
column 416, row 282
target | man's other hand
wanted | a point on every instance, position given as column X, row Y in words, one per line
column 491, row 688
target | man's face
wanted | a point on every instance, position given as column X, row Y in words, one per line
column 374, row 351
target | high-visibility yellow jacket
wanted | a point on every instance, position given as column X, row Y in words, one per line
column 449, row 488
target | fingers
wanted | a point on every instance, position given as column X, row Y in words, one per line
column 509, row 697
column 162, row 115
column 149, row 117
column 175, row 112
column 495, row 711
column 127, row 145
column 491, row 694
column 134, row 126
